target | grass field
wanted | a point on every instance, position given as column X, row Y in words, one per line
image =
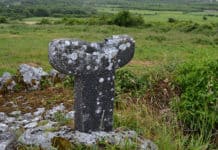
column 160, row 49
column 162, row 16
column 27, row 43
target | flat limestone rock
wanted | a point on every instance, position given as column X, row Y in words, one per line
column 42, row 133
column 7, row 141
column 3, row 127
column 2, row 116
column 38, row 136
column 50, row 114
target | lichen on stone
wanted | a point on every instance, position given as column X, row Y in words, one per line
column 71, row 56
column 31, row 76
column 7, row 82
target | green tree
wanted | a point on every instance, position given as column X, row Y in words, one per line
column 41, row 12
column 3, row 20
column 126, row 19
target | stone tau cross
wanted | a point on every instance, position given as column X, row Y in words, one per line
column 93, row 66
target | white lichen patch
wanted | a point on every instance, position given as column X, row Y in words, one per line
column 3, row 127
column 70, row 61
column 101, row 80
column 31, row 125
column 75, row 43
column 73, row 56
column 39, row 111
column 110, row 66
column 54, row 53
column 15, row 113
column 108, row 78
column 110, row 52
column 98, row 110
column 67, row 43
column 70, row 115
column 96, row 68
column 128, row 44
column 95, row 53
column 123, row 47
column 100, row 93
column 84, row 47
column 85, row 117
column 99, row 58
column 114, row 40
column 95, row 45
column 88, row 67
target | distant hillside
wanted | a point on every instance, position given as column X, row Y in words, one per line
column 57, row 8
column 100, row 2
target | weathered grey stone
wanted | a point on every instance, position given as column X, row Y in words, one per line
column 114, row 138
column 2, row 116
column 41, row 136
column 31, row 125
column 3, row 127
column 51, row 113
column 93, row 65
column 15, row 127
column 7, row 141
column 10, row 120
column 56, row 76
column 15, row 113
column 35, row 119
column 38, row 136
column 31, row 76
column 23, row 122
column 28, row 116
column 70, row 115
column 6, row 81
column 39, row 111
column 35, row 134
column 148, row 145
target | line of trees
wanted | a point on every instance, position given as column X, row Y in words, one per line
column 59, row 8
column 20, row 11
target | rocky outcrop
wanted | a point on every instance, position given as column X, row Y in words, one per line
column 41, row 127
column 29, row 78
column 7, row 82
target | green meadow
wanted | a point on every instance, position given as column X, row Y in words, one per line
column 162, row 16
column 159, row 41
